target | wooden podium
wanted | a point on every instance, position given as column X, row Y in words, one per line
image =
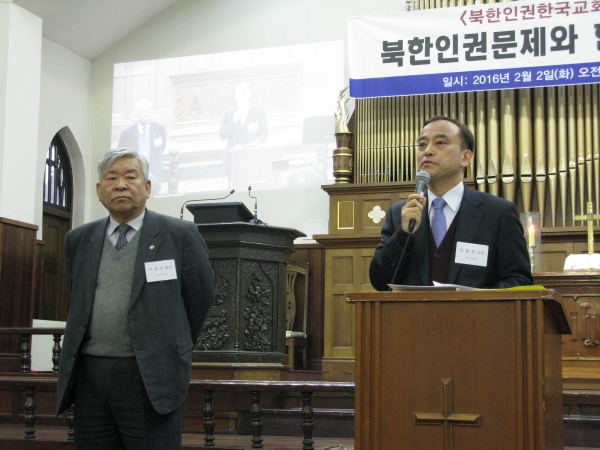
column 458, row 370
column 243, row 336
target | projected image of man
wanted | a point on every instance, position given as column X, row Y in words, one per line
column 149, row 138
column 243, row 124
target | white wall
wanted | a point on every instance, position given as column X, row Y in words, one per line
column 65, row 102
column 42, row 345
column 195, row 27
column 20, row 55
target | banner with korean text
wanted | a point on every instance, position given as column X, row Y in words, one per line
column 511, row 45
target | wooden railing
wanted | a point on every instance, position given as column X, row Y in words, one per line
column 256, row 389
column 25, row 347
column 29, row 383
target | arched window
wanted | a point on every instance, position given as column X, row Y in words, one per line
column 57, row 176
column 53, row 304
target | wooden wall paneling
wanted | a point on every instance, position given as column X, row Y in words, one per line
column 345, row 215
column 17, row 256
column 558, row 243
column 554, row 254
column 347, row 270
column 38, row 277
column 342, row 268
column 582, row 247
column 354, row 208
column 338, row 352
column 314, row 255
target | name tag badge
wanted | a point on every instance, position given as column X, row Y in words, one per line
column 473, row 254
column 160, row 270
column 158, row 142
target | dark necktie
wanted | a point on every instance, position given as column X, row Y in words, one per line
column 122, row 240
column 438, row 221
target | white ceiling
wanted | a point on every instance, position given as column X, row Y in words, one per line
column 91, row 27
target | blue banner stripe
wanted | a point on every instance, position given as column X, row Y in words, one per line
column 481, row 80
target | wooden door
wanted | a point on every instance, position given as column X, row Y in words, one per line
column 54, row 304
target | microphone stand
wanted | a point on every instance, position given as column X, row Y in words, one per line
column 400, row 260
column 203, row 200
column 255, row 220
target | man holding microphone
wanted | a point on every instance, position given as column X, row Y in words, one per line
column 460, row 235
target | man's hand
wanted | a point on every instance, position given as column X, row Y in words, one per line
column 413, row 210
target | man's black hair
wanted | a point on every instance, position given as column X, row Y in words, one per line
column 466, row 137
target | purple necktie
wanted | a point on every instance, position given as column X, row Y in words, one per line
column 438, row 221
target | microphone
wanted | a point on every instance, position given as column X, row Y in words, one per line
column 422, row 180
column 203, row 200
column 256, row 220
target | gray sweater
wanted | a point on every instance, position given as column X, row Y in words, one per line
column 108, row 333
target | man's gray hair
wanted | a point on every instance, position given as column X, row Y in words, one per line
column 109, row 158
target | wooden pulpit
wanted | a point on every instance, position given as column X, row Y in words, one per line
column 243, row 336
column 458, row 370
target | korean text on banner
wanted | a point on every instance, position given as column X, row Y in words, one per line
column 512, row 45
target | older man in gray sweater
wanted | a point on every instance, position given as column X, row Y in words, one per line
column 140, row 286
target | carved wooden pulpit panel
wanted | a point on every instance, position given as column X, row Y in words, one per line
column 580, row 291
column 244, row 333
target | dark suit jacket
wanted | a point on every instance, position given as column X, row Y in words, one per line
column 164, row 317
column 483, row 219
column 129, row 137
column 253, row 129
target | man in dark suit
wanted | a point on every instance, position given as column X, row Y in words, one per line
column 149, row 138
column 476, row 239
column 243, row 124
column 140, row 285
